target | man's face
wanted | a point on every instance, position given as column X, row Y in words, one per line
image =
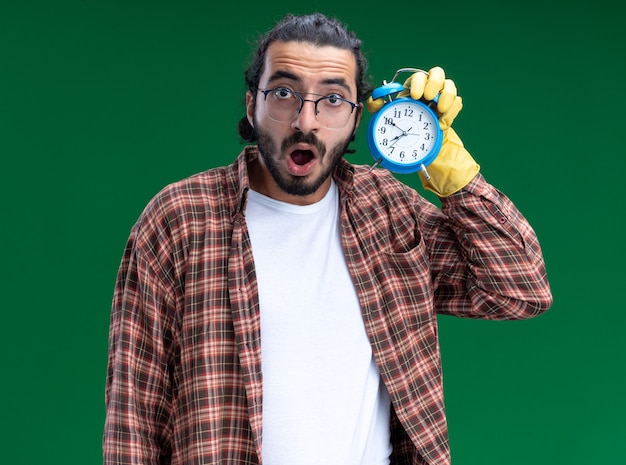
column 297, row 157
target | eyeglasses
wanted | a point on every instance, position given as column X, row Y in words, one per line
column 283, row 104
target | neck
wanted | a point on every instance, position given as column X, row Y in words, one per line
column 262, row 182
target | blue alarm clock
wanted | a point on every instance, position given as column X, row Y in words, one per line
column 404, row 136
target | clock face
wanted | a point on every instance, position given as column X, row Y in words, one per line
column 405, row 133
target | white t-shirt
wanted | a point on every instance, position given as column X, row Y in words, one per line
column 323, row 399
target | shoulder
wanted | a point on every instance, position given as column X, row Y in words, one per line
column 190, row 204
column 376, row 200
column 380, row 186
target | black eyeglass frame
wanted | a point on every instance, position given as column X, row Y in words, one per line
column 266, row 92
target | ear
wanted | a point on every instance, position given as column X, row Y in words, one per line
column 250, row 105
column 357, row 118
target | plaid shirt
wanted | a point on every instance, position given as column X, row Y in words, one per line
column 184, row 382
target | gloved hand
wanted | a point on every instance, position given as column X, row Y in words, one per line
column 454, row 167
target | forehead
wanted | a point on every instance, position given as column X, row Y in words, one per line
column 309, row 63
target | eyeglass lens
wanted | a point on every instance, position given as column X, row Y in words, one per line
column 284, row 105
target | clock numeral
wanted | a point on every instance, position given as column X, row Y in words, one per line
column 401, row 155
column 382, row 130
column 389, row 121
column 408, row 112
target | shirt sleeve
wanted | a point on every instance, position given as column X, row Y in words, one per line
column 486, row 258
column 139, row 377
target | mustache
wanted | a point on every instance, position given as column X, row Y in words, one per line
column 300, row 137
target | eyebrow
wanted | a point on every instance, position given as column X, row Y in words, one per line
column 283, row 74
column 289, row 75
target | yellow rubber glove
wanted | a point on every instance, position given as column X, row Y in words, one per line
column 454, row 167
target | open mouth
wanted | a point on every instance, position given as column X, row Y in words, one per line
column 301, row 161
column 302, row 157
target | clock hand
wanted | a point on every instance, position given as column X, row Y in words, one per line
column 397, row 138
column 395, row 125
column 404, row 134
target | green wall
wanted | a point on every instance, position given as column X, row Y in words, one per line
column 102, row 103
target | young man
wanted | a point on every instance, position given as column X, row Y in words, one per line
column 282, row 310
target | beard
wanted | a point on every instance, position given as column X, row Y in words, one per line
column 298, row 185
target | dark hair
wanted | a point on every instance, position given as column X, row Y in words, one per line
column 316, row 29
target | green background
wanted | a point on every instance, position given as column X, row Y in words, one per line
column 102, row 103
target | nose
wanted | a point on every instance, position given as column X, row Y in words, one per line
column 306, row 120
